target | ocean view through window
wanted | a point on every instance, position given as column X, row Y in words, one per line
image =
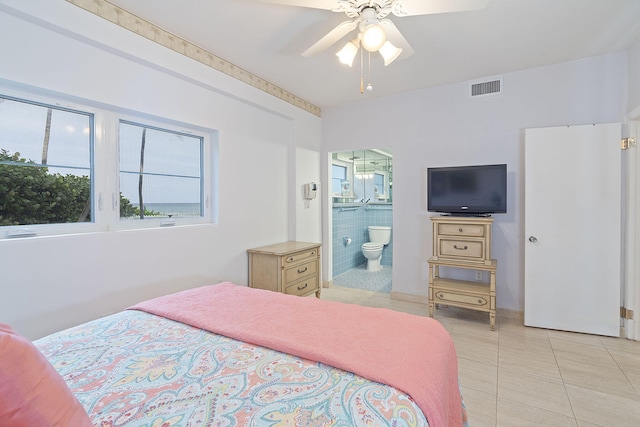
column 68, row 168
column 160, row 172
column 174, row 209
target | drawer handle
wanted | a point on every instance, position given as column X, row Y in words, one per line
column 464, row 248
column 303, row 287
column 460, row 229
column 302, row 271
column 480, row 301
column 290, row 259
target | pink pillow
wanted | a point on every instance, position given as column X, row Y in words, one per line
column 32, row 392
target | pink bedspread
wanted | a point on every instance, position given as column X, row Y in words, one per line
column 411, row 353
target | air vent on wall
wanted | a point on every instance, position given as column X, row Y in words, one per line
column 486, row 87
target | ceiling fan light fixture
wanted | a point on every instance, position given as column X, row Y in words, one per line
column 389, row 52
column 347, row 53
column 373, row 37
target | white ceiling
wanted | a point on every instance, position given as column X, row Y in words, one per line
column 508, row 35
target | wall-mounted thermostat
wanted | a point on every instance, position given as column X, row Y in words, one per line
column 310, row 190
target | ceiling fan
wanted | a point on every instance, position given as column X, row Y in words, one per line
column 375, row 33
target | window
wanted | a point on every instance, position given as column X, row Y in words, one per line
column 160, row 173
column 46, row 165
column 338, row 178
column 379, row 188
column 59, row 176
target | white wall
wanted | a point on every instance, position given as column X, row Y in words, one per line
column 49, row 283
column 442, row 126
column 634, row 79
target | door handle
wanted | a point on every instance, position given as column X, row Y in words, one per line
column 533, row 239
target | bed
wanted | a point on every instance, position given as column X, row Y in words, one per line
column 228, row 355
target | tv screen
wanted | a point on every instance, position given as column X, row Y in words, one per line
column 467, row 190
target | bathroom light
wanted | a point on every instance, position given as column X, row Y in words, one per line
column 389, row 52
column 373, row 37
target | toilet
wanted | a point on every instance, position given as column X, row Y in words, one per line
column 379, row 236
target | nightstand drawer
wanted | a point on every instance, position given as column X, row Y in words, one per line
column 444, row 297
column 299, row 256
column 464, row 249
column 467, row 230
column 303, row 287
column 299, row 271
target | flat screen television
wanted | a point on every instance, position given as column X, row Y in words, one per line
column 467, row 190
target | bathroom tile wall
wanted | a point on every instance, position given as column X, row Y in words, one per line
column 352, row 221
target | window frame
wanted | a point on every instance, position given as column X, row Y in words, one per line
column 385, row 184
column 105, row 171
column 349, row 176
column 39, row 230
column 205, row 165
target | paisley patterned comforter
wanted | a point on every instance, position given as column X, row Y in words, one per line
column 137, row 369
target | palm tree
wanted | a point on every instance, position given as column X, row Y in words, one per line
column 47, row 135
column 144, row 138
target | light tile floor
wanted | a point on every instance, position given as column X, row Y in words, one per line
column 518, row 376
column 360, row 278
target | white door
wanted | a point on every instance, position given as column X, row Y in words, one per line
column 573, row 228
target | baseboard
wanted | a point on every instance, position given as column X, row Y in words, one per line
column 502, row 313
column 327, row 283
column 401, row 296
column 506, row 313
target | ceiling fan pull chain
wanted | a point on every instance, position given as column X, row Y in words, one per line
column 369, row 86
column 361, row 72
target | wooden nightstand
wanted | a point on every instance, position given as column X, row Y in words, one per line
column 288, row 267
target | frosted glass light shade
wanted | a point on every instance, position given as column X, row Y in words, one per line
column 373, row 37
column 347, row 53
column 389, row 52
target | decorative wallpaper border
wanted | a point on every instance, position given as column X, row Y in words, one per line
column 131, row 22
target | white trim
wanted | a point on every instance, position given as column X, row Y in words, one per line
column 632, row 283
column 327, row 229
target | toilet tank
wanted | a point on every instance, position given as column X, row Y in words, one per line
column 379, row 234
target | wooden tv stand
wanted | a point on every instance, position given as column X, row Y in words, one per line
column 462, row 242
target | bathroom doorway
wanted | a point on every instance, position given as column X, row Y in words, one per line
column 362, row 196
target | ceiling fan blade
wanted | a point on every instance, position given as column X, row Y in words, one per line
column 395, row 37
column 314, row 4
column 426, row 7
column 333, row 36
